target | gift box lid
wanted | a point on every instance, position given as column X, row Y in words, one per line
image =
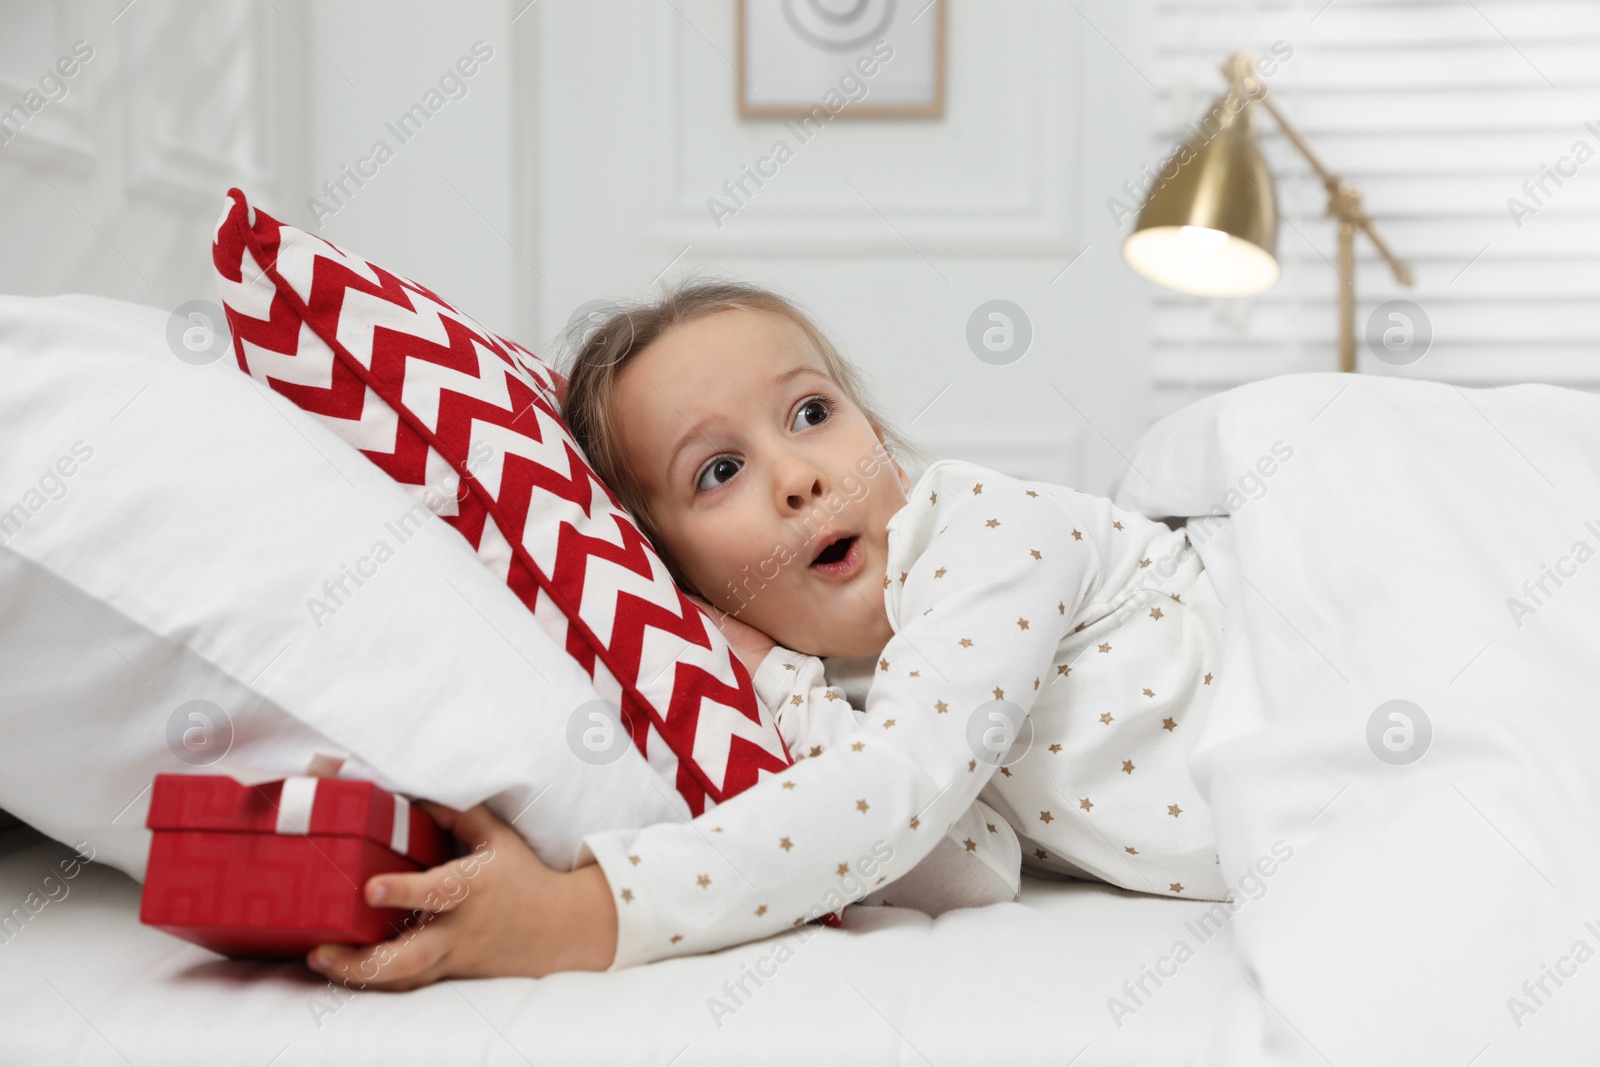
column 332, row 807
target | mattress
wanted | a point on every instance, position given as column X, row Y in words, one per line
column 1043, row 980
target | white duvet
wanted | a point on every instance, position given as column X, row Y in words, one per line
column 1393, row 540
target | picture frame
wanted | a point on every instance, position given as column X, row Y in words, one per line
column 794, row 56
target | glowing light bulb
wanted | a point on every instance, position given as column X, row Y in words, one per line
column 1202, row 238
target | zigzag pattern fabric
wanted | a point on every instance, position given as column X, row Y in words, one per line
column 469, row 422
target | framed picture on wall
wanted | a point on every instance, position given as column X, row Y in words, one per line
column 861, row 58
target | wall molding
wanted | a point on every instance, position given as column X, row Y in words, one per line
column 159, row 165
column 59, row 136
column 1034, row 217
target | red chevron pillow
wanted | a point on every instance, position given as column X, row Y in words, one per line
column 468, row 421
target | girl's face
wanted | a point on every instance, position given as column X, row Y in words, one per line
column 766, row 483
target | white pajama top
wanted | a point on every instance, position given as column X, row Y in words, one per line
column 1052, row 655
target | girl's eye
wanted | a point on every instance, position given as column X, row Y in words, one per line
column 812, row 413
column 717, row 472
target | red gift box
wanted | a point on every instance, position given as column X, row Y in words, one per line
column 272, row 870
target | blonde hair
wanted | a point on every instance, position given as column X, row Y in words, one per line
column 611, row 334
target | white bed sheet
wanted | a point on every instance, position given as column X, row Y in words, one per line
column 84, row 983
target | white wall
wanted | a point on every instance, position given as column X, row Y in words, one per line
column 114, row 187
column 444, row 209
column 891, row 231
column 579, row 161
column 578, row 164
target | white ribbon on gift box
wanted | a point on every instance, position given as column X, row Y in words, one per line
column 299, row 797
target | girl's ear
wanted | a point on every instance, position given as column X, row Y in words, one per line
column 900, row 472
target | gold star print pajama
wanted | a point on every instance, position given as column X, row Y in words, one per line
column 1097, row 624
column 980, row 860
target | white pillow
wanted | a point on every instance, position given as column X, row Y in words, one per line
column 170, row 532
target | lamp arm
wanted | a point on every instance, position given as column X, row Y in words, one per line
column 1401, row 269
column 1329, row 178
column 1344, row 200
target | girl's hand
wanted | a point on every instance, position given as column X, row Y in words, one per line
column 496, row 911
column 749, row 643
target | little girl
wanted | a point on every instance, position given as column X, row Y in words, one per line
column 1036, row 647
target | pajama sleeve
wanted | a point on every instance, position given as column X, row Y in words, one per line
column 811, row 715
column 983, row 581
column 980, row 860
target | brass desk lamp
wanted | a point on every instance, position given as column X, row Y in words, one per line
column 1211, row 229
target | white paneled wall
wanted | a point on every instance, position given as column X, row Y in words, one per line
column 1440, row 110
column 892, row 231
column 442, row 206
column 112, row 177
column 578, row 164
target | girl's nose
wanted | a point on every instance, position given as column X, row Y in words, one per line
column 797, row 501
column 799, row 484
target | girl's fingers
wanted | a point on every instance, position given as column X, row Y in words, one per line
column 474, row 827
column 438, row 889
column 485, row 833
column 443, row 887
column 387, row 965
column 445, row 817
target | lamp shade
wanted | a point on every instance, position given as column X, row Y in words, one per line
column 1211, row 228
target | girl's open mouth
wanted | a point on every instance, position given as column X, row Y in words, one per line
column 839, row 557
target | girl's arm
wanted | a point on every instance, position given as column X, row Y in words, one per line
column 991, row 581
column 982, row 588
column 980, row 860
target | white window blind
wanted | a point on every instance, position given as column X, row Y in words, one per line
column 1440, row 111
